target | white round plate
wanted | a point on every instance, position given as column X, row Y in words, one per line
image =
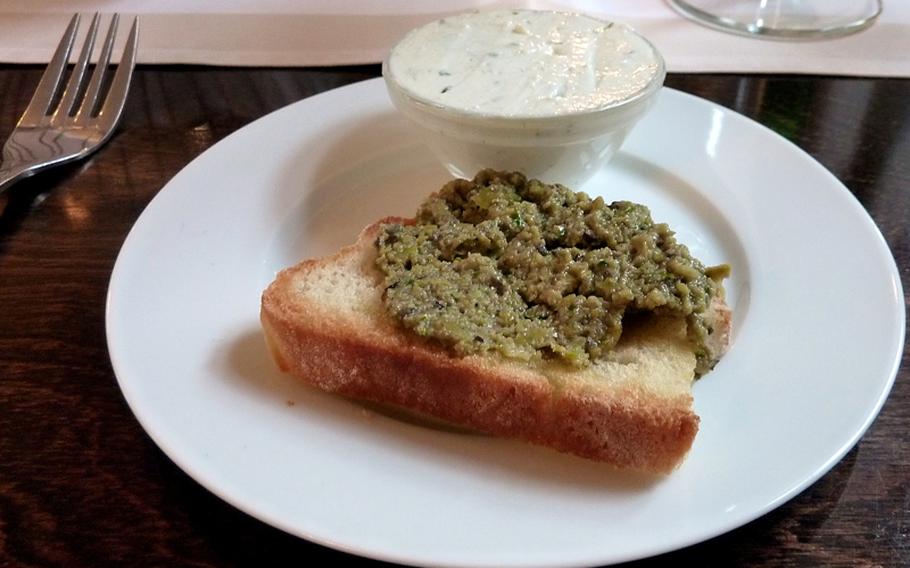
column 818, row 333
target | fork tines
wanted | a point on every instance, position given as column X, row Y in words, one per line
column 79, row 102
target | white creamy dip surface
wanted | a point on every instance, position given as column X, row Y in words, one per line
column 523, row 63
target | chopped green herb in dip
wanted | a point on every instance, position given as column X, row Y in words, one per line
column 530, row 270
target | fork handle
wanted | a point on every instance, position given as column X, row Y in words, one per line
column 11, row 174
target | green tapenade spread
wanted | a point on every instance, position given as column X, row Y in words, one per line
column 531, row 270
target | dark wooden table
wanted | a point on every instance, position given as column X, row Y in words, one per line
column 82, row 485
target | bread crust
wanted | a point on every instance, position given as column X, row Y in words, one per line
column 362, row 354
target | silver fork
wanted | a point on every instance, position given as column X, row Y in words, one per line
column 50, row 132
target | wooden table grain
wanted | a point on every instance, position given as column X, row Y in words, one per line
column 81, row 484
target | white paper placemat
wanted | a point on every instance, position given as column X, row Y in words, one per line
column 326, row 32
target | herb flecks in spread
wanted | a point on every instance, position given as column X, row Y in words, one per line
column 524, row 62
column 530, row 270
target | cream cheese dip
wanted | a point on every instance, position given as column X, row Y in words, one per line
column 524, row 63
column 549, row 94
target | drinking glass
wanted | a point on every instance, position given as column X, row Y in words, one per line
column 783, row 19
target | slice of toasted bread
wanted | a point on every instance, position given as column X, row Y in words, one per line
column 325, row 323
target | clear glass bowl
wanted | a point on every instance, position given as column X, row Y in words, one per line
column 563, row 148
